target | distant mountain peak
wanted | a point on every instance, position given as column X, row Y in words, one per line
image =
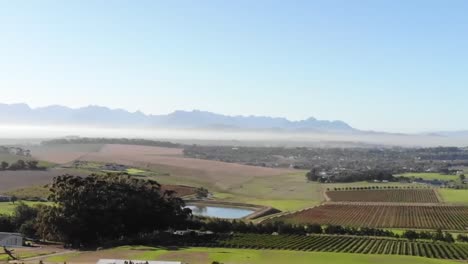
column 103, row 116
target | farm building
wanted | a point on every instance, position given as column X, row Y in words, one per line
column 11, row 240
column 4, row 198
column 123, row 261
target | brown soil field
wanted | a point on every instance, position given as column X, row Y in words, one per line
column 61, row 154
column 383, row 216
column 180, row 190
column 10, row 180
column 220, row 174
column 396, row 196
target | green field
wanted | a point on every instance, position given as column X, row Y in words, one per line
column 284, row 192
column 454, row 196
column 39, row 191
column 8, row 208
column 239, row 256
column 96, row 167
column 431, row 176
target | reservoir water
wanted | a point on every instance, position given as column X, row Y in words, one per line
column 219, row 211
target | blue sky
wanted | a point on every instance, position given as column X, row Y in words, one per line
column 381, row 65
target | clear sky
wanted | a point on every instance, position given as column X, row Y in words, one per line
column 381, row 65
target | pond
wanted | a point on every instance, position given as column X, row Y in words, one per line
column 219, row 211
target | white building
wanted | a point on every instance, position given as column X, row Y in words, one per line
column 123, row 261
column 11, row 240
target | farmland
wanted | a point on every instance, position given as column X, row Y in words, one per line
column 220, row 174
column 61, row 154
column 10, row 180
column 383, row 215
column 8, row 208
column 395, row 195
column 204, row 255
column 285, row 189
column 454, row 196
column 347, row 244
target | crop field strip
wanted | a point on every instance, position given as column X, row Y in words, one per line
column 383, row 216
column 342, row 244
column 396, row 196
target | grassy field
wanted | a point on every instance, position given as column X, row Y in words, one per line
column 30, row 252
column 39, row 191
column 431, row 176
column 454, row 196
column 285, row 192
column 237, row 256
column 7, row 207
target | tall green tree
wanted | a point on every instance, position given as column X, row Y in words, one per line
column 4, row 165
column 90, row 210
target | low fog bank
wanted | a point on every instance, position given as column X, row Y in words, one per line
column 34, row 134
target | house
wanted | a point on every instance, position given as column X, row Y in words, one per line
column 4, row 198
column 114, row 167
column 192, row 232
column 182, row 232
column 124, row 261
column 11, row 240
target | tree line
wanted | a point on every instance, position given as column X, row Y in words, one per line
column 222, row 226
column 435, row 236
column 317, row 175
column 20, row 165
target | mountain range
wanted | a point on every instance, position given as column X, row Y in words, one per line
column 100, row 116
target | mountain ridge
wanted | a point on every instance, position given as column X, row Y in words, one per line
column 103, row 116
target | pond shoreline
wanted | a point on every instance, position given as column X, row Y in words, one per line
column 258, row 210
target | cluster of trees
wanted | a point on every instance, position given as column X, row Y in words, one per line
column 122, row 141
column 224, row 226
column 201, row 193
column 462, row 238
column 317, row 175
column 20, row 165
column 437, row 236
column 22, row 220
column 17, row 151
column 92, row 210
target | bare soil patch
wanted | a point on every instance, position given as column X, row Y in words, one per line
column 61, row 154
column 10, row 180
column 220, row 174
